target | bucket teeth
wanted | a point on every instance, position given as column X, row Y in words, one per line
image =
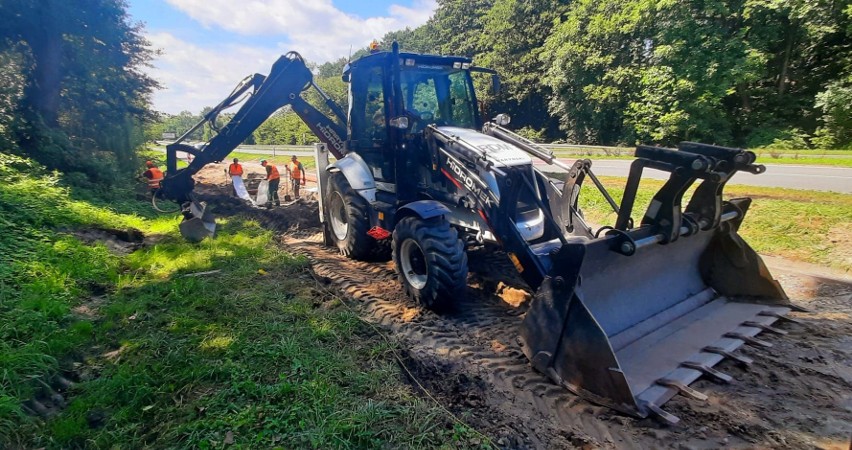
column 709, row 371
column 748, row 340
column 666, row 416
column 743, row 360
column 764, row 327
column 770, row 313
column 683, row 389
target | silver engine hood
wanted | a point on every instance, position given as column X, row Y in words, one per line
column 501, row 154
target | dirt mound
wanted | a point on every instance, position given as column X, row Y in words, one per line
column 213, row 186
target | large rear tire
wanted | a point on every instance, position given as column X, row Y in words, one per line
column 430, row 261
column 348, row 220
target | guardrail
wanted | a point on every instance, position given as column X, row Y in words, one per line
column 557, row 149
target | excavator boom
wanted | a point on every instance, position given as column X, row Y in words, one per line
column 288, row 78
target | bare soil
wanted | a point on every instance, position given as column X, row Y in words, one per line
column 797, row 394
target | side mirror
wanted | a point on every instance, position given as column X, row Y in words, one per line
column 502, row 119
column 400, row 123
column 495, row 84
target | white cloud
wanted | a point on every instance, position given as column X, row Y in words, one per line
column 317, row 29
column 197, row 74
column 194, row 77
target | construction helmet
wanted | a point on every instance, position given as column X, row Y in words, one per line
column 374, row 46
column 262, row 162
column 149, row 164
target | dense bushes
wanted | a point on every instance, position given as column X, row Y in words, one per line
column 72, row 95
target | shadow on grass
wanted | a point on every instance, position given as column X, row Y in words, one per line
column 189, row 359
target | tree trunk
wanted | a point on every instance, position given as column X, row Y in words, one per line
column 45, row 40
column 785, row 63
column 744, row 98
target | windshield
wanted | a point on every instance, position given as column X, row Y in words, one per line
column 439, row 95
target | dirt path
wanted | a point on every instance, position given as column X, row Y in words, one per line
column 797, row 394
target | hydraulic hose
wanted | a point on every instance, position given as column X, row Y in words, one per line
column 157, row 208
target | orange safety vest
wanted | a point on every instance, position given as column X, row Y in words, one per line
column 235, row 170
column 296, row 172
column 156, row 175
column 273, row 172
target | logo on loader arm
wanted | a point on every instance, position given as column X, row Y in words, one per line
column 331, row 136
column 466, row 180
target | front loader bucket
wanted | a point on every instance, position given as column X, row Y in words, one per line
column 630, row 332
column 630, row 319
column 198, row 222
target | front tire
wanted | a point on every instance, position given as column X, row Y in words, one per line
column 430, row 262
column 348, row 220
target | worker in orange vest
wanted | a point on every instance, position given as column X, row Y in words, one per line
column 274, row 179
column 296, row 171
column 154, row 176
column 235, row 170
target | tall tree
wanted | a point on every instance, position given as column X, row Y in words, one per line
column 512, row 42
column 84, row 78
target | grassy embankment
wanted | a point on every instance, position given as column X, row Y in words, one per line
column 250, row 161
column 833, row 158
column 252, row 355
column 801, row 225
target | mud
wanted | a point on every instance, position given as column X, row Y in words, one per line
column 213, row 187
column 797, row 394
column 121, row 242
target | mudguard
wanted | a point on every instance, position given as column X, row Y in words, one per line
column 358, row 174
column 424, row 209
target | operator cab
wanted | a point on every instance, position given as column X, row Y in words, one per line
column 394, row 96
column 432, row 89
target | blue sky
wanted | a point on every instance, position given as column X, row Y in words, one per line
column 208, row 46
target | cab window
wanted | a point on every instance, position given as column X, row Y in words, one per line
column 367, row 113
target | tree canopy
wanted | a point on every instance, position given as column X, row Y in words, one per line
column 78, row 94
column 733, row 72
column 738, row 72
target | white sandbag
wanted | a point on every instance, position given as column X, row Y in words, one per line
column 262, row 193
column 240, row 188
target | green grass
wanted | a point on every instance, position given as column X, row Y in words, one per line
column 801, row 225
column 253, row 354
column 280, row 159
column 808, row 159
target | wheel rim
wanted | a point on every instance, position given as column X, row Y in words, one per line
column 413, row 263
column 338, row 218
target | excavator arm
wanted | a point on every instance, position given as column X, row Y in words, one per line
column 283, row 86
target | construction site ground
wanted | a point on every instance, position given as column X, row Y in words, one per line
column 797, row 394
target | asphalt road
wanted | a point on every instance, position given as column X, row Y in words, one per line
column 817, row 178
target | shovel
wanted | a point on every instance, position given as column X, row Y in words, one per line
column 287, row 196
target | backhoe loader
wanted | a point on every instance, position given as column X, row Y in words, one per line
column 626, row 315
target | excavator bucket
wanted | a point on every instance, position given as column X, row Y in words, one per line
column 198, row 222
column 631, row 318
